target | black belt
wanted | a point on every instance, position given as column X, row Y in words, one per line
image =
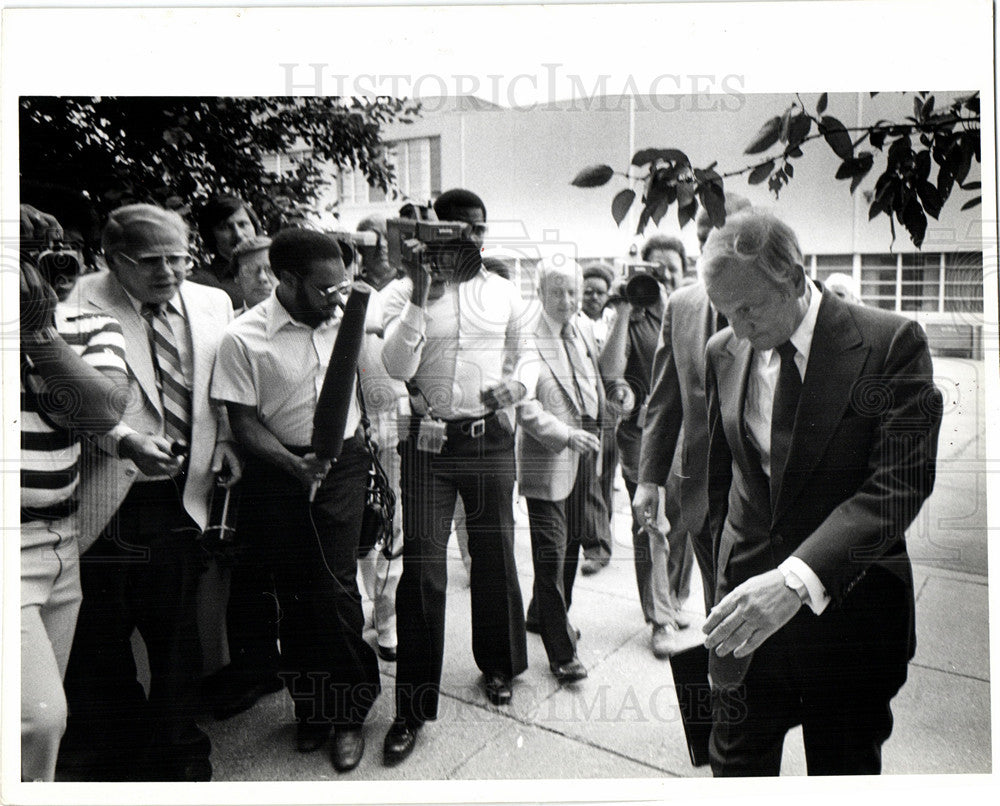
column 303, row 450
column 470, row 427
column 54, row 512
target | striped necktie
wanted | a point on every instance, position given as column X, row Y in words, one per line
column 174, row 393
column 585, row 390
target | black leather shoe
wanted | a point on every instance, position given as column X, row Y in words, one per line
column 348, row 748
column 386, row 653
column 398, row 743
column 569, row 672
column 310, row 736
column 243, row 697
column 497, row 685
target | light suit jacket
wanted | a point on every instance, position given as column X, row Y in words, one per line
column 105, row 480
column 546, row 466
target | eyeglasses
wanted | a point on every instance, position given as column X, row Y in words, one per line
column 332, row 290
column 178, row 261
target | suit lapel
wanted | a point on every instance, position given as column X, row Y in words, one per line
column 550, row 348
column 732, row 382
column 836, row 358
column 108, row 295
column 200, row 324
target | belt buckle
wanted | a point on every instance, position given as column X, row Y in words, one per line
column 477, row 428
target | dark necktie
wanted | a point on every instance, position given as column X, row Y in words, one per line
column 786, row 401
column 586, row 393
column 174, row 393
column 720, row 322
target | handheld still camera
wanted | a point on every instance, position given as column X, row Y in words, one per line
column 60, row 266
column 442, row 247
column 642, row 284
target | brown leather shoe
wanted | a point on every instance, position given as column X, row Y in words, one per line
column 348, row 748
column 662, row 641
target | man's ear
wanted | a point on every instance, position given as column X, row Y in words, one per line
column 800, row 280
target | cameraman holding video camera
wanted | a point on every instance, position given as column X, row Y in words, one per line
column 662, row 566
column 452, row 333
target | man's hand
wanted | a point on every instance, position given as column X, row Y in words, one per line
column 751, row 614
column 504, row 394
column 38, row 226
column 583, row 441
column 621, row 399
column 646, row 503
column 419, row 274
column 308, row 469
column 38, row 303
column 152, row 455
column 226, row 464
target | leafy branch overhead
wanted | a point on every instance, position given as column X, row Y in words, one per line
column 946, row 140
column 177, row 151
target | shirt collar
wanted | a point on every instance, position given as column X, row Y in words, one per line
column 803, row 335
column 174, row 304
column 277, row 317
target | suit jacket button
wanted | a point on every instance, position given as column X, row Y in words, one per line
column 130, row 471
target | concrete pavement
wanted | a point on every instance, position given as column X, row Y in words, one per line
column 622, row 722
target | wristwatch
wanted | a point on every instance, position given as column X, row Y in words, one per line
column 40, row 338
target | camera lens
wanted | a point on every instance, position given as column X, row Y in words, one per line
column 642, row 290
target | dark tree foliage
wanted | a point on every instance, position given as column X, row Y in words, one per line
column 926, row 156
column 177, row 151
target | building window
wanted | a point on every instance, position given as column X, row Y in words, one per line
column 921, row 282
column 825, row 265
column 417, row 163
column 963, row 281
column 878, row 280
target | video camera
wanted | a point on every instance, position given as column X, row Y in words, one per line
column 353, row 242
column 442, row 247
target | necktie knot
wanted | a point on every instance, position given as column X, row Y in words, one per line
column 567, row 331
column 787, row 352
column 152, row 310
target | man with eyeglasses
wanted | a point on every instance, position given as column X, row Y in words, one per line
column 453, row 334
column 269, row 373
column 154, row 473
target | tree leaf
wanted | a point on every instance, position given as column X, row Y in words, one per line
column 972, row 203
column 821, row 104
column 660, row 211
column 765, row 138
column 915, row 221
column 760, row 173
column 594, row 176
column 713, row 198
column 837, row 137
column 846, row 169
column 643, row 220
column 648, row 155
column 789, row 169
column 620, row 205
column 686, row 213
column 798, row 129
column 972, row 186
column 785, row 121
column 945, row 180
column 930, row 198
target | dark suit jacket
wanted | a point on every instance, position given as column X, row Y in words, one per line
column 677, row 397
column 861, row 462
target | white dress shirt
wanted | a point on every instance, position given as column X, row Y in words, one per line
column 276, row 364
column 761, row 385
column 458, row 345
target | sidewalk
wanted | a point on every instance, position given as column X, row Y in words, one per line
column 622, row 721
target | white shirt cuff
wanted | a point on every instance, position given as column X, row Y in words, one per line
column 797, row 570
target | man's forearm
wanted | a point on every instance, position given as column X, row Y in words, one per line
column 255, row 439
column 79, row 396
column 613, row 358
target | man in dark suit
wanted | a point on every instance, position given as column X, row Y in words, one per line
column 144, row 503
column 557, row 448
column 823, row 426
column 676, row 398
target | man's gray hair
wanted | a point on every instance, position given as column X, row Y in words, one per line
column 120, row 220
column 558, row 265
column 755, row 238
